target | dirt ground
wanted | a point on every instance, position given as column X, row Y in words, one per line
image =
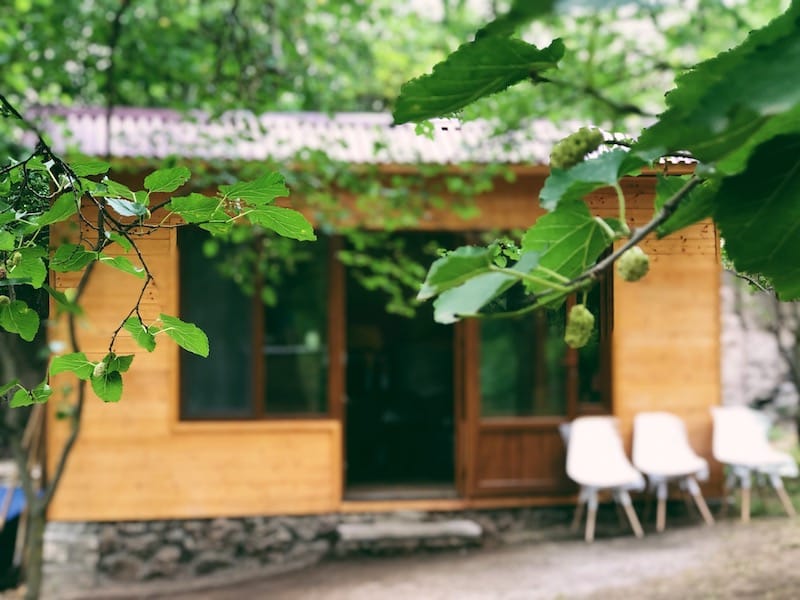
column 728, row 560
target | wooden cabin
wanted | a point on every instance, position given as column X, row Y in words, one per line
column 327, row 404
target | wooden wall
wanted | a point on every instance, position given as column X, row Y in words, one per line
column 135, row 460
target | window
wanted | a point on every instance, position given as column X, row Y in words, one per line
column 265, row 361
column 526, row 369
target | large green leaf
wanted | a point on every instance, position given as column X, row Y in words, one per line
column 108, row 386
column 30, row 269
column 18, row 317
column 454, row 269
column 76, row 363
column 62, row 209
column 197, row 208
column 470, row 297
column 477, row 69
column 758, row 213
column 140, row 334
column 187, row 335
column 568, row 240
column 71, row 257
column 695, row 207
column 8, row 240
column 718, row 106
column 167, row 180
column 601, row 171
column 283, row 221
column 127, row 208
column 258, row 192
column 85, row 166
column 123, row 264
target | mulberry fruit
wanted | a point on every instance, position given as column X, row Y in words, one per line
column 633, row 264
column 580, row 324
column 573, row 148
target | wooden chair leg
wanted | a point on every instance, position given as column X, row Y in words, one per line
column 694, row 490
column 625, row 499
column 745, row 504
column 661, row 509
column 703, row 508
column 661, row 515
column 591, row 514
column 786, row 502
column 591, row 517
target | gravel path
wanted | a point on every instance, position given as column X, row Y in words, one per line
column 729, row 560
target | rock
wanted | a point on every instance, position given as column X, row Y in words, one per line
column 209, row 562
column 122, row 566
column 143, row 545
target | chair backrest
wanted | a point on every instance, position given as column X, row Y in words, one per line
column 594, row 448
column 739, row 433
column 659, row 440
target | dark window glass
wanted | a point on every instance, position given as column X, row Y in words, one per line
column 522, row 366
column 220, row 385
column 295, row 338
column 592, row 358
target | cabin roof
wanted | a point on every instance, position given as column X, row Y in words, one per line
column 359, row 138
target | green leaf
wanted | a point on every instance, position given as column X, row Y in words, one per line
column 62, row 209
column 17, row 317
column 600, row 171
column 456, row 268
column 520, row 13
column 71, row 257
column 258, row 192
column 167, row 180
column 118, row 363
column 722, row 103
column 197, row 208
column 21, row 398
column 7, row 386
column 568, row 240
column 108, row 386
column 758, row 213
column 124, row 242
column 695, row 207
column 7, row 240
column 475, row 70
column 41, row 393
column 467, row 299
column 123, row 264
column 283, row 221
column 127, row 208
column 63, row 303
column 83, row 167
column 30, row 269
column 114, row 189
column 76, row 363
column 187, row 335
column 140, row 333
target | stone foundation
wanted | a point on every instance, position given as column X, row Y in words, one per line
column 80, row 557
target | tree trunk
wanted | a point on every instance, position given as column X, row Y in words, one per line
column 34, row 551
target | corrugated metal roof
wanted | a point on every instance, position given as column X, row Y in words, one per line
column 350, row 137
column 359, row 138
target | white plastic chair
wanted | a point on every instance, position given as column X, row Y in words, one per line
column 661, row 451
column 740, row 441
column 596, row 461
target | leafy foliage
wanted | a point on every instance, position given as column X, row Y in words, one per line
column 734, row 113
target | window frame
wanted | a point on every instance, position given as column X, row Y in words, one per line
column 259, row 370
